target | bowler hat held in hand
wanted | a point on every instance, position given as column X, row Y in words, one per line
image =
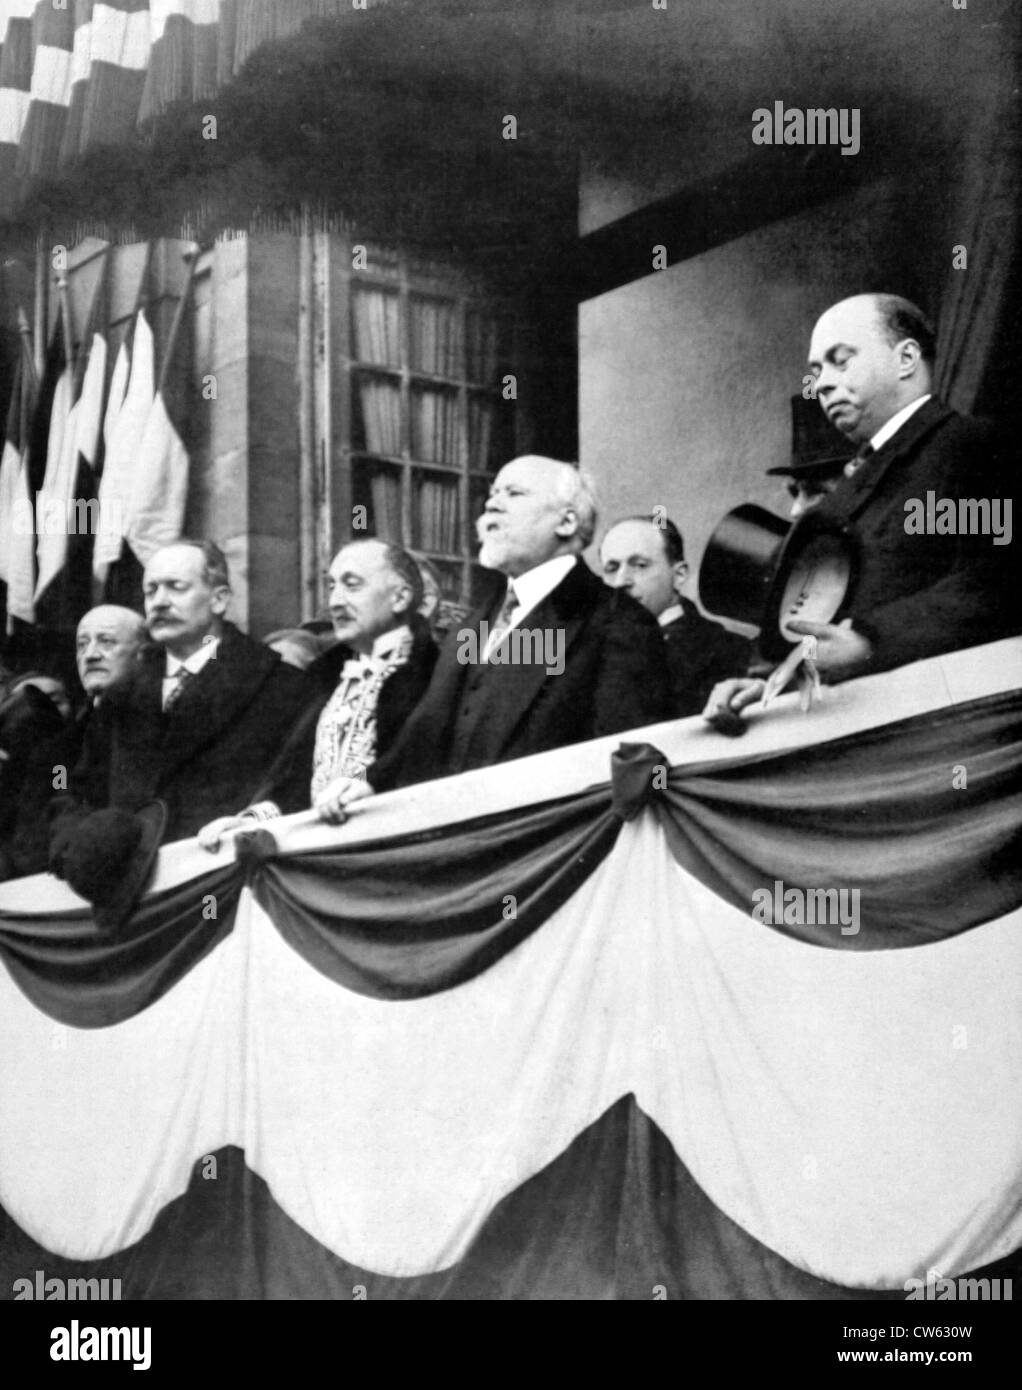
column 109, row 859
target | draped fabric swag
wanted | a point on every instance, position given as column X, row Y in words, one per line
column 550, row 1051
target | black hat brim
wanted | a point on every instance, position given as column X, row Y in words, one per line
column 111, row 915
column 753, row 556
column 827, row 467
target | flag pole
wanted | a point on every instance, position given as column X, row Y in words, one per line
column 41, row 306
column 65, row 320
column 28, row 353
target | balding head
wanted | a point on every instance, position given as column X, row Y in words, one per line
column 871, row 355
column 108, row 642
column 537, row 508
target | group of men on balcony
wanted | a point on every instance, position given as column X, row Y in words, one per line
column 222, row 733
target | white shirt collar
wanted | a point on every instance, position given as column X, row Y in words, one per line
column 193, row 664
column 894, row 424
column 670, row 615
column 536, row 584
column 388, row 642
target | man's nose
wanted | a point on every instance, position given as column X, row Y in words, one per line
column 620, row 580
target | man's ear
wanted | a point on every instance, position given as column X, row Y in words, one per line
column 568, row 524
column 680, row 575
column 401, row 602
column 910, row 355
column 221, row 598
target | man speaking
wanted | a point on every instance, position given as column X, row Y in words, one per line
column 499, row 704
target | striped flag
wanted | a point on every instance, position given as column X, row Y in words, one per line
column 76, row 75
column 58, row 479
column 123, row 447
column 17, row 528
column 52, row 44
column 16, row 510
column 69, row 489
column 156, row 510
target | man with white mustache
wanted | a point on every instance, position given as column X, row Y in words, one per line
column 539, row 517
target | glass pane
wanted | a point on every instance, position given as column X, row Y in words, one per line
column 375, row 326
column 436, row 336
column 377, row 423
column 435, row 513
column 435, row 432
column 482, row 348
column 377, row 487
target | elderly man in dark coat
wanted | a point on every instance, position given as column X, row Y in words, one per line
column 108, row 644
column 203, row 717
column 370, row 681
column 556, row 658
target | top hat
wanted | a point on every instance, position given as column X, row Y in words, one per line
column 110, row 857
column 818, row 449
column 761, row 570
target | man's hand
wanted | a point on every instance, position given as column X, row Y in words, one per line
column 210, row 835
column 338, row 794
column 728, row 699
column 840, row 652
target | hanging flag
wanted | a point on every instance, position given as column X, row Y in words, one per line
column 53, row 438
column 52, row 38
column 34, row 412
column 68, row 514
column 15, row 499
column 123, row 446
column 156, row 511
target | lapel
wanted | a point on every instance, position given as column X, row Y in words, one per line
column 137, row 708
column 214, row 699
column 514, row 688
column 854, row 498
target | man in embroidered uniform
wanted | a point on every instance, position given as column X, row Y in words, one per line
column 372, row 680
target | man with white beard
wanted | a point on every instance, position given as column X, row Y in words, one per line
column 498, row 696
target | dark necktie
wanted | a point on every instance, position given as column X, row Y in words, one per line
column 182, row 675
column 854, row 464
column 502, row 622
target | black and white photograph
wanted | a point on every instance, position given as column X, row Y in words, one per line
column 510, row 666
